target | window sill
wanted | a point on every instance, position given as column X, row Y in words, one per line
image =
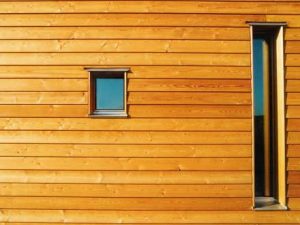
column 268, row 204
column 109, row 115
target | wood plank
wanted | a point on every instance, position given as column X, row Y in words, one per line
column 43, row 85
column 43, row 110
column 203, row 72
column 125, row 124
column 293, row 86
column 123, row 59
column 126, row 190
column 132, row 151
column 292, row 60
column 152, row 7
column 155, row 204
column 293, row 137
column 293, row 177
column 294, row 203
column 188, row 20
column 59, row 98
column 119, row 164
column 126, row 177
column 137, row 111
column 191, row 85
column 43, row 223
column 134, row 137
column 183, row 46
column 293, row 164
column 125, row 33
column 292, row 72
column 292, row 47
column 60, row 72
column 293, row 99
column 291, row 20
column 293, row 112
column 293, row 124
column 194, row 111
column 293, row 150
column 294, row 190
column 292, row 34
column 178, row 98
column 163, row 217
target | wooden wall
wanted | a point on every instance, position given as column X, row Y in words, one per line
column 183, row 156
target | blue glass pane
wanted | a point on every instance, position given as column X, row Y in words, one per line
column 109, row 93
column 258, row 66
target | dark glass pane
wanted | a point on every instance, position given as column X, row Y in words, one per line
column 110, row 93
column 259, row 117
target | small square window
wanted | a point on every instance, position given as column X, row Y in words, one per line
column 108, row 92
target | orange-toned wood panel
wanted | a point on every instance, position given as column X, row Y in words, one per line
column 293, row 137
column 195, row 98
column 293, row 86
column 126, row 137
column 133, row 85
column 189, row 85
column 133, row 151
column 43, row 110
column 60, row 98
column 165, row 33
column 293, row 164
column 293, row 111
column 124, row 46
column 126, row 177
column 60, row 72
column 294, row 177
column 152, row 7
column 43, row 85
column 124, row 59
column 125, row 124
column 138, row 164
column 164, row 217
column 294, row 190
column 193, row 111
column 291, row 20
column 127, row 190
column 147, row 19
column 293, row 150
column 155, row 204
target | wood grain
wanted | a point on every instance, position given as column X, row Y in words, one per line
column 194, row 111
column 190, row 85
column 124, row 59
column 194, row 46
column 127, row 177
column 132, row 151
column 128, row 164
column 152, row 7
column 126, row 137
column 155, row 204
column 128, row 190
column 127, row 33
column 125, row 124
column 195, row 98
column 147, row 19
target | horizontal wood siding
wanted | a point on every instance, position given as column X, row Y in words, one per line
column 184, row 154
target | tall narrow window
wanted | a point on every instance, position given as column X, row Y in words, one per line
column 268, row 115
column 108, row 92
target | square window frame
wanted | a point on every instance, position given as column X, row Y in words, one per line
column 96, row 73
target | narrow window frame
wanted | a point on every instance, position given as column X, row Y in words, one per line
column 95, row 73
column 281, row 198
